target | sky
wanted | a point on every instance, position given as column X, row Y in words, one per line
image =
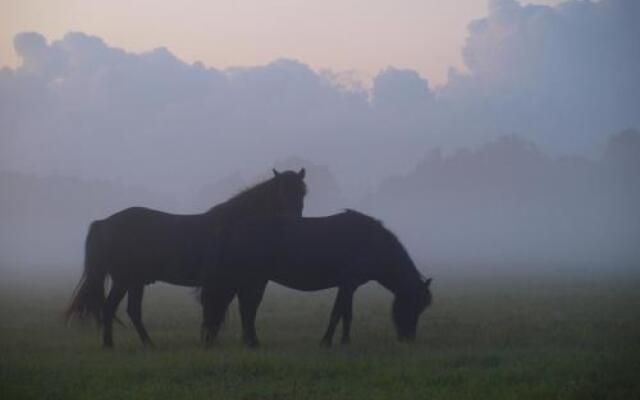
column 364, row 36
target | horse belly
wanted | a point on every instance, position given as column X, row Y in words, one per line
column 307, row 277
column 149, row 260
column 305, row 286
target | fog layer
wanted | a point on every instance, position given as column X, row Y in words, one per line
column 86, row 129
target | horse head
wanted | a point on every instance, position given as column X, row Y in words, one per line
column 290, row 190
column 407, row 307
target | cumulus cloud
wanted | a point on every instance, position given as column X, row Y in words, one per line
column 78, row 106
column 563, row 75
column 400, row 88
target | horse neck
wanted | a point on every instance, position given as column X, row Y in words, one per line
column 240, row 206
column 399, row 280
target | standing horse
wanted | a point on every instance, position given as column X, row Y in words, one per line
column 138, row 246
column 344, row 250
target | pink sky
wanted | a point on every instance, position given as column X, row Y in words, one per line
column 360, row 35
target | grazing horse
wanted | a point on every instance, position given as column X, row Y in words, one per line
column 138, row 246
column 343, row 250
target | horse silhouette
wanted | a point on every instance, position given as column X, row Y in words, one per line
column 343, row 250
column 138, row 246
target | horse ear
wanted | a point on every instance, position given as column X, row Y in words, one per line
column 427, row 283
column 301, row 173
column 275, row 172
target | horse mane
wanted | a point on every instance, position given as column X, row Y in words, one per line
column 254, row 193
column 246, row 195
column 350, row 213
column 353, row 213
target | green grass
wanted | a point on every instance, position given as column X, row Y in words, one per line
column 560, row 335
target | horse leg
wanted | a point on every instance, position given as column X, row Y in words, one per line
column 346, row 317
column 134, row 309
column 249, row 299
column 215, row 302
column 336, row 313
column 116, row 294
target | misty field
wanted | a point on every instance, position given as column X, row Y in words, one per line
column 517, row 335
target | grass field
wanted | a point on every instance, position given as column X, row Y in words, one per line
column 551, row 335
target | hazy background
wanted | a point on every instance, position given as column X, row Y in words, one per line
column 512, row 141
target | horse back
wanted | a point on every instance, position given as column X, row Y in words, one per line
column 141, row 244
column 306, row 253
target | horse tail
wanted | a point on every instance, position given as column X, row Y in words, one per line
column 88, row 297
